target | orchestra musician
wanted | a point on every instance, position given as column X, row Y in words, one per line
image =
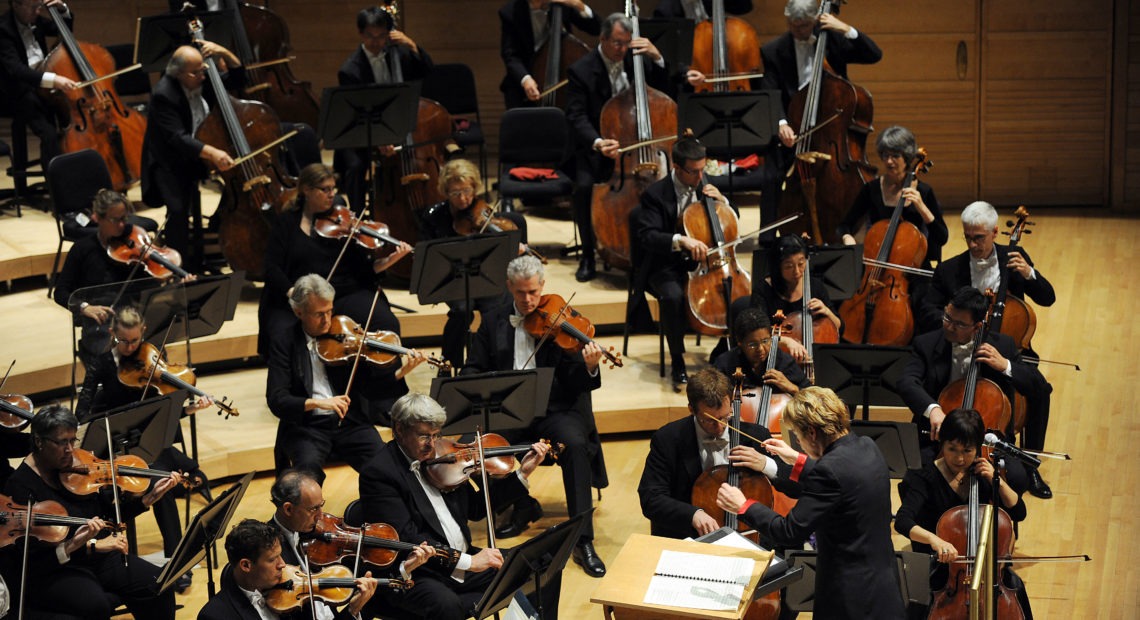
column 524, row 28
column 682, row 449
column 657, row 233
column 74, row 578
column 254, row 553
column 698, row 10
column 982, row 266
column 603, row 73
column 502, row 343
column 844, row 500
column 929, row 492
column 752, row 332
column 382, row 47
column 23, row 47
column 318, row 420
column 395, row 491
column 173, row 159
column 295, row 249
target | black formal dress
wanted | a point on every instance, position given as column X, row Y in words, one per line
column 569, row 416
column 88, row 265
column 80, row 587
column 676, row 8
column 845, row 501
column 517, row 45
column 308, row 439
column 20, row 97
column 171, row 165
column 352, row 164
column 869, row 206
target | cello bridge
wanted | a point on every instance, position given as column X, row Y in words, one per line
column 260, row 179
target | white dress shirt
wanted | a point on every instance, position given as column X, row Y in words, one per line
column 320, row 388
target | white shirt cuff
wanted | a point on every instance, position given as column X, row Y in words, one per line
column 1008, row 368
column 1032, row 274
column 852, row 34
column 588, row 13
column 926, row 414
column 522, row 82
column 464, row 563
column 769, row 467
column 61, row 553
column 523, row 479
column 47, row 80
column 676, row 242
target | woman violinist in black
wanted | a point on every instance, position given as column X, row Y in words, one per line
column 939, row 486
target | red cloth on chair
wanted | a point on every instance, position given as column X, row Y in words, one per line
column 523, row 173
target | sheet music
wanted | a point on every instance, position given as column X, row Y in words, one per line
column 699, row 581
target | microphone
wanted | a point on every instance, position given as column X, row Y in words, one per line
column 1012, row 450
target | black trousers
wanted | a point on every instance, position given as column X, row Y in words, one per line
column 570, row 429
column 455, row 329
column 434, row 596
column 79, row 589
column 308, row 446
column 183, row 201
column 32, row 110
column 590, row 167
column 668, row 286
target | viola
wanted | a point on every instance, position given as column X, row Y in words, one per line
column 339, row 223
column 97, row 118
column 333, row 585
column 975, row 392
column 136, row 246
column 147, row 368
column 377, row 543
column 454, row 462
column 719, row 279
column 88, row 473
column 15, row 411
column 346, row 337
column 571, row 331
column 727, row 50
column 480, row 218
column 807, row 332
column 50, row 522
column 553, row 59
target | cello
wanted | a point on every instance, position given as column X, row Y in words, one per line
column 879, row 312
column 560, row 50
column 1013, row 316
column 979, row 393
column 727, row 50
column 807, row 328
column 719, row 279
column 644, row 121
column 830, row 154
column 257, row 186
column 97, row 118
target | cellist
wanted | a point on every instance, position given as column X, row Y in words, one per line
column 752, row 332
column 23, row 46
column 524, row 28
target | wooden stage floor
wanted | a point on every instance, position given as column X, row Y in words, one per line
column 1089, row 257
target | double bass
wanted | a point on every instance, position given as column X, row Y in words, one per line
column 97, row 118
column 262, row 41
column 560, row 50
column 727, row 50
column 834, row 118
column 644, row 121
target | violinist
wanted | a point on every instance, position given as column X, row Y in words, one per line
column 698, row 10
column 295, row 248
column 877, row 200
column 254, row 553
column 503, row 343
column 173, row 159
column 393, row 490
column 943, row 356
column 524, row 28
column 75, row 577
column 982, row 266
column 23, row 46
column 680, row 450
column 382, row 47
column 929, row 492
column 593, row 80
column 318, row 420
column 752, row 332
column 845, row 500
column 460, row 182
column 657, row 233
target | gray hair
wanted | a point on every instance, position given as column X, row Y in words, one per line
column 414, row 408
column 898, row 139
column 799, row 10
column 178, row 60
column 524, row 268
column 616, row 19
column 308, row 286
column 980, row 213
column 52, row 418
column 287, row 487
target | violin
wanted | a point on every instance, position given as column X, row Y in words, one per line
column 481, row 218
column 136, row 246
column 333, row 585
column 50, row 522
column 339, row 223
column 974, row 392
column 15, row 411
column 382, row 348
column 454, row 462
column 719, row 279
column 727, row 50
column 571, row 331
column 147, row 368
column 333, row 541
column 88, row 473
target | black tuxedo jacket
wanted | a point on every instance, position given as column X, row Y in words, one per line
column 516, row 41
column 589, row 90
column 779, row 57
column 654, row 226
column 230, row 603
column 674, row 8
column 357, row 69
column 954, row 273
column 15, row 74
column 672, row 468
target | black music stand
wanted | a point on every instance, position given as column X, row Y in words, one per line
column 897, row 441
column 363, row 116
column 463, row 268
column 493, row 401
column 912, row 572
column 673, row 38
column 201, row 534
column 157, row 36
column 533, row 566
column 861, row 374
column 731, row 124
column 779, row 573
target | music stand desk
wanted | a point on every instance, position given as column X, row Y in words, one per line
column 622, row 590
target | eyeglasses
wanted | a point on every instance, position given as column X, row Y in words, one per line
column 751, row 346
column 196, row 73
column 315, row 509
column 328, row 189
column 619, row 43
column 63, row 443
column 975, row 239
column 131, row 342
column 423, row 439
column 951, row 323
column 688, row 171
column 461, row 193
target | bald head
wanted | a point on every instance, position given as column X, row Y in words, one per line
column 187, row 66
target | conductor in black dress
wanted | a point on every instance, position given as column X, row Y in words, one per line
column 524, row 29
column 844, row 500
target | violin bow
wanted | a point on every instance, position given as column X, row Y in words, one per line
column 486, row 489
column 5, row 380
column 549, row 329
column 731, row 427
column 153, row 370
column 116, row 497
column 360, row 349
column 24, row 562
column 359, row 219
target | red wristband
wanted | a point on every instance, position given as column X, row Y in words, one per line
column 747, row 504
column 798, row 467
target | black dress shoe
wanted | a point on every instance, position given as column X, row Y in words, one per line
column 680, row 379
column 183, row 583
column 585, row 556
column 1038, row 487
column 586, row 271
column 526, row 511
